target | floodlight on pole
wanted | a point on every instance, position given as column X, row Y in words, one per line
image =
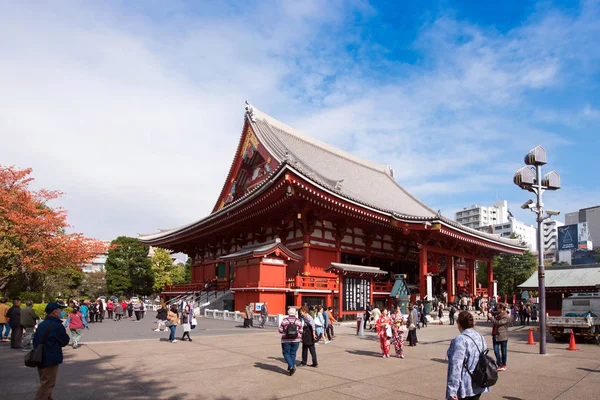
column 530, row 178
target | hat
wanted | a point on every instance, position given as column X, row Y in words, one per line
column 53, row 306
column 292, row 311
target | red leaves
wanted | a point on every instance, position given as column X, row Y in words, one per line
column 32, row 234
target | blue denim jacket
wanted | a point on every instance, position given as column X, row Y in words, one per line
column 461, row 349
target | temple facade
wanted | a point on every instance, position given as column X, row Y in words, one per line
column 334, row 229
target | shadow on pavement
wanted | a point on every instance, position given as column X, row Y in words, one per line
column 364, row 353
column 439, row 360
column 269, row 367
column 589, row 369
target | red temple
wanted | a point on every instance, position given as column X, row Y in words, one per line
column 296, row 218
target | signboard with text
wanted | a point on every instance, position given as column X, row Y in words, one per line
column 567, row 237
column 356, row 293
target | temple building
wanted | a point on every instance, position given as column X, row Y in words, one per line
column 299, row 221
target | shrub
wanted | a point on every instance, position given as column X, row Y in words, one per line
column 36, row 297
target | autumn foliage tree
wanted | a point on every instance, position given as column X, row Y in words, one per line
column 33, row 234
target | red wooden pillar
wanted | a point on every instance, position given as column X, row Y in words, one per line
column 423, row 271
column 306, row 253
column 490, row 278
column 450, row 278
column 473, row 280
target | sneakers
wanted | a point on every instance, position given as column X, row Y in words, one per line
column 174, row 341
column 292, row 371
column 75, row 345
column 502, row 368
column 402, row 356
column 156, row 330
column 315, row 365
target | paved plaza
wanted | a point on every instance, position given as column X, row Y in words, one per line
column 126, row 360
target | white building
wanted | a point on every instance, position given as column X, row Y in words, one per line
column 550, row 239
column 97, row 263
column 476, row 216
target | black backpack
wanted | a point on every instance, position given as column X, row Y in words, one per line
column 291, row 331
column 485, row 373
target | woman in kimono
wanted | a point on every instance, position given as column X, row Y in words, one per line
column 398, row 328
column 384, row 331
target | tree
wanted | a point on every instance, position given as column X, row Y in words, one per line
column 178, row 274
column 510, row 270
column 482, row 274
column 188, row 270
column 94, row 284
column 128, row 269
column 162, row 266
column 32, row 234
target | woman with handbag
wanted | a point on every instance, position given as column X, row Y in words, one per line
column 384, row 331
column 186, row 322
column 398, row 329
column 320, row 325
column 172, row 322
column 76, row 322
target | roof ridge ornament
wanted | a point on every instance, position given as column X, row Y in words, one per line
column 390, row 170
column 250, row 111
column 338, row 185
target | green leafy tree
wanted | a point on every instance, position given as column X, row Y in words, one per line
column 128, row 269
column 94, row 284
column 482, row 277
column 162, row 266
column 510, row 270
column 178, row 274
column 188, row 270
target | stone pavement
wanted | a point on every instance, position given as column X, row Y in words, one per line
column 127, row 361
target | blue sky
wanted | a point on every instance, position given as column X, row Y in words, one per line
column 134, row 110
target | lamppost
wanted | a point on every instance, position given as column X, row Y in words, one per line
column 530, row 178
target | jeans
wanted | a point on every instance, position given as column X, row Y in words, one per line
column 289, row 350
column 263, row 320
column 6, row 329
column 451, row 316
column 172, row 334
column 498, row 348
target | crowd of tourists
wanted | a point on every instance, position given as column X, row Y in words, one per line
column 181, row 313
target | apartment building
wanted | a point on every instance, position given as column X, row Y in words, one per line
column 478, row 216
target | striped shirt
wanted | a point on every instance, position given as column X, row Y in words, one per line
column 283, row 328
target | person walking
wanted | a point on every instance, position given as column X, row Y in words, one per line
column 248, row 320
column 76, row 322
column 451, row 313
column 161, row 317
column 93, row 312
column 326, row 325
column 441, row 314
column 129, row 309
column 412, row 329
column 320, row 325
column 291, row 335
column 13, row 316
column 527, row 314
column 501, row 320
column 124, row 307
column 28, row 321
column 84, row 310
column 172, row 322
column 110, row 308
column 186, row 322
column 309, row 338
column 137, row 309
column 534, row 314
column 118, row 311
column 4, row 324
column 367, row 315
column 398, row 328
column 463, row 355
column 423, row 316
column 100, row 311
column 52, row 335
column 384, row 331
column 263, row 314
column 331, row 333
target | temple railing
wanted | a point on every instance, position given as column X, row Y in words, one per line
column 383, row 287
column 307, row 282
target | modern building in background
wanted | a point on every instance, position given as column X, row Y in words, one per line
column 97, row 263
column 591, row 216
column 550, row 239
column 498, row 220
column 476, row 216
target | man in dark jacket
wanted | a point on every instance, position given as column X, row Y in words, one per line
column 28, row 320
column 52, row 335
column 14, row 320
column 264, row 312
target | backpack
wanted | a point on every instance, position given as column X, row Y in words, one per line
column 291, row 331
column 485, row 373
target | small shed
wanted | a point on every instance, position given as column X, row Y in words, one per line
column 563, row 281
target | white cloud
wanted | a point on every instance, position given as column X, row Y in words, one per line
column 137, row 117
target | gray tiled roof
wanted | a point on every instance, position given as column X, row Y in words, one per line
column 356, row 268
column 567, row 276
column 362, row 180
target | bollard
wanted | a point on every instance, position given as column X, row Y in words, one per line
column 360, row 325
